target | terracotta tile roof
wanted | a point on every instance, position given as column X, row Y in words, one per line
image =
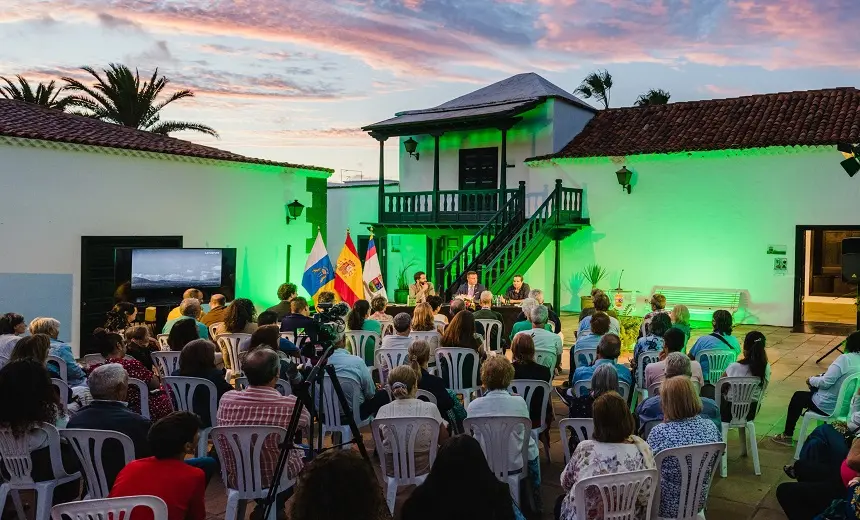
column 24, row 120
column 807, row 118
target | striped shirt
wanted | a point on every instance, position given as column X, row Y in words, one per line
column 262, row 406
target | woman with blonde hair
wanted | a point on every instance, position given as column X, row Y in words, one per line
column 681, row 320
column 422, row 318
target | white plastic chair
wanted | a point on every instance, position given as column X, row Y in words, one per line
column 167, row 361
column 282, row 386
column 698, row 465
column 584, row 429
column 400, row 434
column 424, row 395
column 182, row 392
column 619, row 492
column 387, row 327
column 90, row 456
column 230, row 343
column 105, row 508
column 92, row 360
column 581, row 388
column 624, row 389
column 840, row 412
column 496, row 435
column 61, row 366
column 718, row 361
column 654, row 388
column 213, row 329
column 440, row 325
column 332, row 412
column 489, row 327
column 741, row 393
column 239, row 449
column 455, row 358
column 65, row 393
column 289, row 336
column 433, row 338
column 645, row 359
column 390, row 358
column 15, row 455
column 358, row 343
column 162, row 341
column 526, row 388
column 546, row 358
column 143, row 388
column 583, row 357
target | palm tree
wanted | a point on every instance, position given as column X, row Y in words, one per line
column 44, row 95
column 121, row 98
column 596, row 85
column 655, row 96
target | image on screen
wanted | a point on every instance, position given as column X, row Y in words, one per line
column 174, row 268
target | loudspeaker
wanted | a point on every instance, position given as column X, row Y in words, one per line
column 851, row 260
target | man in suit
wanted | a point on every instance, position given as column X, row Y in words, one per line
column 471, row 288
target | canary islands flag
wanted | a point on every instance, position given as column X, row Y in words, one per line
column 347, row 274
column 319, row 274
column 373, row 285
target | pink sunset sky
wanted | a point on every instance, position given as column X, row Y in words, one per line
column 294, row 80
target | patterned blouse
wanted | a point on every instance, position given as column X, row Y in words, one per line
column 593, row 458
column 673, row 434
column 160, row 404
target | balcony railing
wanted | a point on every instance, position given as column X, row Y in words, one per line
column 446, row 207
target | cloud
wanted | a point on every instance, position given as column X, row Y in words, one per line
column 158, row 54
column 319, row 137
column 110, row 21
column 725, row 92
column 225, row 50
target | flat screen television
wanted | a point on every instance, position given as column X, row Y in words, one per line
column 167, row 272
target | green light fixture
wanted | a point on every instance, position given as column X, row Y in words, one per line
column 411, row 145
column 624, row 175
column 294, row 210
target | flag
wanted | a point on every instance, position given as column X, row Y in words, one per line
column 319, row 274
column 347, row 274
column 373, row 285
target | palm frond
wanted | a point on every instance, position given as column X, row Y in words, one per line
column 653, row 97
column 167, row 127
column 597, row 85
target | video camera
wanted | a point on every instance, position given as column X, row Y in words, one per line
column 330, row 326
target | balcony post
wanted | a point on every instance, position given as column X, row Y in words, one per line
column 436, row 177
column 381, row 201
column 441, row 284
column 503, row 172
column 557, row 201
column 522, row 196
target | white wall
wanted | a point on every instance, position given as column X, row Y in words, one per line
column 50, row 198
column 703, row 222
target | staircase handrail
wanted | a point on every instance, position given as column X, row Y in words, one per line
column 550, row 201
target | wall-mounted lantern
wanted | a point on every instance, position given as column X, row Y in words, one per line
column 411, row 145
column 624, row 176
column 294, row 210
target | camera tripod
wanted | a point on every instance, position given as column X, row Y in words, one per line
column 305, row 394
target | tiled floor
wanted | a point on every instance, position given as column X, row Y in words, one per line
column 742, row 495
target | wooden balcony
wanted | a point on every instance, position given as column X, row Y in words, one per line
column 445, row 208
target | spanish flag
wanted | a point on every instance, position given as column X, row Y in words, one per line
column 347, row 274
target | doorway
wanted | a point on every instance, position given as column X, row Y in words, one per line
column 479, row 170
column 823, row 301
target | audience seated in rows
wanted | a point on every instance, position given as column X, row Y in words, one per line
column 140, row 345
column 522, row 322
column 680, row 316
column 34, row 348
column 462, row 333
column 525, row 367
column 402, row 328
column 262, row 405
column 423, row 319
column 496, row 374
column 166, row 474
column 268, row 336
column 189, row 310
column 599, row 325
column 327, row 297
column 197, row 359
column 720, row 339
column 358, row 318
column 537, row 296
column 110, row 346
column 299, row 316
column 241, row 318
column 286, row 293
column 683, row 425
column 269, row 318
column 192, row 293
column 486, row 312
column 120, row 317
column 673, row 341
column 436, row 304
column 377, row 309
column 354, row 368
column 460, row 470
column 51, row 327
column 604, row 379
column 608, row 351
column 753, row 364
column 218, row 310
column 601, row 305
column 823, row 390
column 653, row 340
column 650, row 411
column 12, row 326
column 658, row 306
column 419, row 359
column 544, row 340
column 613, row 448
column 182, row 333
column 457, row 306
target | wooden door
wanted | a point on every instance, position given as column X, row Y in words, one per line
column 479, row 170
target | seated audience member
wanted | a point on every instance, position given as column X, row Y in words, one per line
column 139, row 345
column 720, row 339
column 497, row 374
column 166, row 474
column 286, row 293
column 486, row 312
column 653, row 341
column 525, row 367
column 589, row 311
column 650, row 411
column 217, row 310
column 351, row 367
column 261, row 405
column 613, row 448
column 197, row 359
column 518, row 291
column 422, row 318
column 599, row 326
column 51, row 327
column 299, row 317
column 436, row 303
column 537, row 294
column 819, row 485
column 472, row 288
column 419, row 359
column 377, row 309
column 681, row 320
column 12, row 326
column 190, row 309
column 604, row 379
column 402, row 328
column 326, row 297
column 673, row 341
column 545, row 341
column 753, row 364
column 683, row 425
column 111, row 347
column 601, row 304
column 823, row 389
column 108, row 411
column 34, row 348
column 29, row 399
column 421, row 289
column 176, row 312
column 458, row 306
column 404, row 386
column 658, row 306
column 182, row 333
column 461, row 333
column 461, row 465
column 284, row 345
column 120, row 317
column 268, row 336
column 241, row 318
column 608, row 351
column 349, row 484
column 527, row 307
column 359, row 319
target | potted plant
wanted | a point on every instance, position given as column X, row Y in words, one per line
column 592, row 274
column 401, row 294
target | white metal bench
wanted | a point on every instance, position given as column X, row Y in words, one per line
column 701, row 299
